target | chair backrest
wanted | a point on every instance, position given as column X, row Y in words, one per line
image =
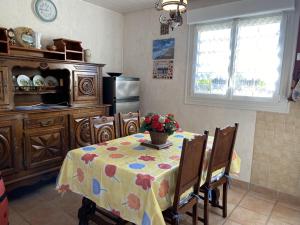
column 190, row 167
column 129, row 123
column 102, row 129
column 222, row 150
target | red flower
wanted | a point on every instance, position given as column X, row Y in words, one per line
column 147, row 120
column 164, row 188
column 110, row 170
column 133, row 201
column 164, row 166
column 88, row 157
column 64, row 188
column 112, row 148
column 155, row 124
column 177, row 125
column 144, row 180
column 80, row 175
column 168, row 120
column 116, row 212
column 147, row 158
column 155, row 118
column 160, row 127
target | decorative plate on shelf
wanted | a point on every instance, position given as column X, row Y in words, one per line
column 23, row 81
column 45, row 10
column 38, row 80
column 51, row 81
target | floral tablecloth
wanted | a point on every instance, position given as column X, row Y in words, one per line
column 130, row 180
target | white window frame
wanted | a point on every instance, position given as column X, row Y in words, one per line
column 278, row 103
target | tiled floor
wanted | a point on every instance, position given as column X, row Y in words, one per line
column 45, row 207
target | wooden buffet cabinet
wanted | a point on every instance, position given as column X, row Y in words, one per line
column 35, row 139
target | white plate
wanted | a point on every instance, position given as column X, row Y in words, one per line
column 51, row 81
column 23, row 81
column 38, row 81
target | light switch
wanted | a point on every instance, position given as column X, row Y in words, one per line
column 298, row 57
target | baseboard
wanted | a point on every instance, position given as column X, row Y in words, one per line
column 280, row 196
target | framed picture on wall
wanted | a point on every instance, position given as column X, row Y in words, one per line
column 163, row 49
column 163, row 69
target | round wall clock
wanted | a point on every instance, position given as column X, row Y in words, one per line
column 45, row 10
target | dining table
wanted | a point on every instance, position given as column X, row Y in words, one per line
column 132, row 181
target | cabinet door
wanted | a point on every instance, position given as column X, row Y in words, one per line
column 85, row 86
column 45, row 147
column 7, row 147
column 4, row 95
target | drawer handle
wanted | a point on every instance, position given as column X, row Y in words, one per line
column 46, row 123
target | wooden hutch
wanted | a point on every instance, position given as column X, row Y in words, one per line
column 38, row 127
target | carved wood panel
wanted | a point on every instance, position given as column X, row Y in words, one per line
column 7, row 147
column 103, row 129
column 129, row 123
column 4, row 95
column 82, row 132
column 85, row 86
column 45, row 146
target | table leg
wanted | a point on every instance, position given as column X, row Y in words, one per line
column 215, row 196
column 88, row 208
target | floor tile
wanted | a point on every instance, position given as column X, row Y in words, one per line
column 247, row 217
column 235, row 195
column 15, row 218
column 230, row 222
column 286, row 214
column 274, row 221
column 261, row 206
column 26, row 202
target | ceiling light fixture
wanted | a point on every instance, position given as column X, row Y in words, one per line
column 175, row 8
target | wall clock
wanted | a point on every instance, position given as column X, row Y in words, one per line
column 45, row 10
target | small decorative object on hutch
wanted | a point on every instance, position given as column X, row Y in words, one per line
column 25, row 37
column 72, row 48
column 87, row 55
column 11, row 36
column 159, row 127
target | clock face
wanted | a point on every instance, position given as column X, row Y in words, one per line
column 46, row 10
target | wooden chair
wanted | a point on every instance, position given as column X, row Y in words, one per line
column 102, row 129
column 189, row 176
column 129, row 123
column 220, row 158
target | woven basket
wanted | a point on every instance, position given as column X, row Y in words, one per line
column 158, row 138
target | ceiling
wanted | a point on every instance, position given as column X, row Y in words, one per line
column 124, row 6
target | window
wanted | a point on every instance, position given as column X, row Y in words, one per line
column 238, row 61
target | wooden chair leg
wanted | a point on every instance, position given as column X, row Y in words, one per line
column 88, row 208
column 224, row 205
column 195, row 214
column 206, row 201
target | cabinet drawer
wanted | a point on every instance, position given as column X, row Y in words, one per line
column 44, row 122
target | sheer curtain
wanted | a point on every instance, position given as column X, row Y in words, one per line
column 239, row 58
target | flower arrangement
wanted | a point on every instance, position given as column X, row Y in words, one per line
column 159, row 123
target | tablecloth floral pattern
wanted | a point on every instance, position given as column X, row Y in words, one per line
column 130, row 180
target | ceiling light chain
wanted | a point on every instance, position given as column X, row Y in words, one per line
column 175, row 8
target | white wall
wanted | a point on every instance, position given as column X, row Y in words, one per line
column 100, row 30
column 140, row 29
